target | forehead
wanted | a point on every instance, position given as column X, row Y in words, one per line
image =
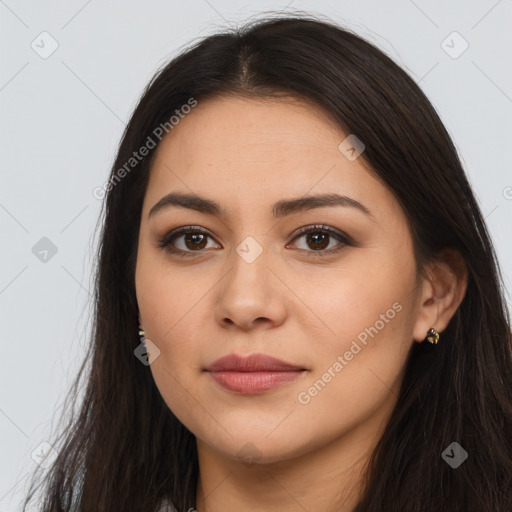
column 249, row 152
column 244, row 127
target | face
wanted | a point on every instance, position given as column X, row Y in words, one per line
column 338, row 302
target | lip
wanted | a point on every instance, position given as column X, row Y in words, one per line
column 252, row 363
column 256, row 373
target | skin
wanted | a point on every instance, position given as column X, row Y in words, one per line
column 247, row 154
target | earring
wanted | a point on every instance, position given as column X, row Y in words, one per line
column 432, row 336
column 142, row 333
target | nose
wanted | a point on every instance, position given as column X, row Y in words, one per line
column 250, row 296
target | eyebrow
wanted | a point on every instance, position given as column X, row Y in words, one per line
column 280, row 209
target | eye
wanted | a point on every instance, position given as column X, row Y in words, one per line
column 318, row 237
column 195, row 240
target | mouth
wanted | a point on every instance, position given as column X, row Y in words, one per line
column 254, row 374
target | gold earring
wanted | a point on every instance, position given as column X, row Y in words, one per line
column 432, row 336
column 142, row 333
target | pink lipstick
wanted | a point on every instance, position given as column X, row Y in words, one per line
column 256, row 373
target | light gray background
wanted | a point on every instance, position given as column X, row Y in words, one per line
column 62, row 117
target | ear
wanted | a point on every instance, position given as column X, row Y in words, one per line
column 443, row 289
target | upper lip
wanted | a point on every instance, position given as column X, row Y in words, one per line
column 252, row 363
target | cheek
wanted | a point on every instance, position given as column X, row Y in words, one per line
column 372, row 339
column 168, row 297
column 364, row 299
column 363, row 342
column 167, row 303
column 178, row 393
column 358, row 371
column 172, row 325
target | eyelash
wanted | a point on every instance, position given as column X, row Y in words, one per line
column 165, row 242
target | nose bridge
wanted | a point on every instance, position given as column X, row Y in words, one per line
column 248, row 291
column 249, row 266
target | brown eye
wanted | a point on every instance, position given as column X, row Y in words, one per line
column 196, row 241
column 193, row 240
column 318, row 238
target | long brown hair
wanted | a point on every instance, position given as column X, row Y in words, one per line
column 126, row 451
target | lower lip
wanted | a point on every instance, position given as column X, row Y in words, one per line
column 254, row 382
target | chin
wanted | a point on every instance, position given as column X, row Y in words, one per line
column 256, row 449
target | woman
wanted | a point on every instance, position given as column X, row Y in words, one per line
column 290, row 233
